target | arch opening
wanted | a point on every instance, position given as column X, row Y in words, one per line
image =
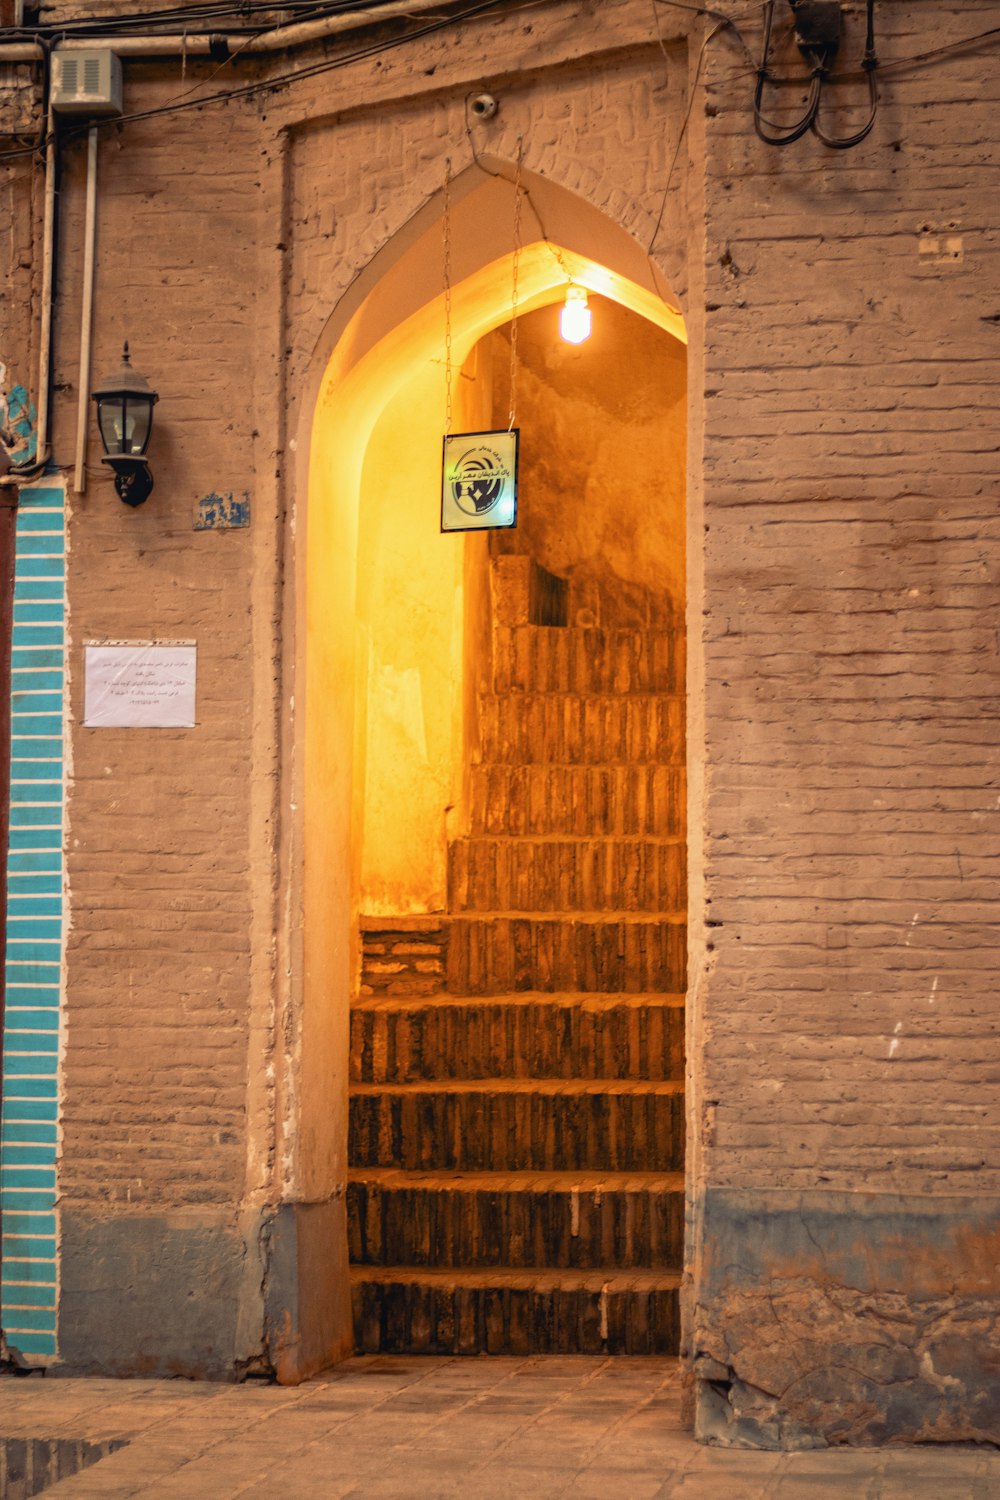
column 398, row 624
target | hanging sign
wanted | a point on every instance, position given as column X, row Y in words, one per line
column 479, row 481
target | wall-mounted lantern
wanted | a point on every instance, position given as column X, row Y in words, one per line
column 125, row 404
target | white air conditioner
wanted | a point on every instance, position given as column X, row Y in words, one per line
column 86, row 83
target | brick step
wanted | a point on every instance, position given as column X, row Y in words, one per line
column 405, row 1040
column 499, row 1125
column 523, row 728
column 414, row 1310
column 403, row 955
column 498, row 872
column 584, row 800
column 523, row 592
column 518, row 1219
column 570, row 659
column 501, row 953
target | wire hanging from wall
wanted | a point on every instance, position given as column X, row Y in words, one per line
column 479, row 469
column 515, row 266
column 446, row 228
column 818, row 33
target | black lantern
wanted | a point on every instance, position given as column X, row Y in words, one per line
column 125, row 404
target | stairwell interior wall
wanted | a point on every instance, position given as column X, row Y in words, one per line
column 603, row 475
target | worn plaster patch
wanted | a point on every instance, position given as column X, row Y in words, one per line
column 848, row 1318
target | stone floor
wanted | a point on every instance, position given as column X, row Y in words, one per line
column 386, row 1428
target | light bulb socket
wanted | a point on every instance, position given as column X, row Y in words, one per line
column 575, row 319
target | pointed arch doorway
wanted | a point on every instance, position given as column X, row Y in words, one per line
column 483, row 1099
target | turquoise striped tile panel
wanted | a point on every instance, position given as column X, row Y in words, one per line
column 35, row 928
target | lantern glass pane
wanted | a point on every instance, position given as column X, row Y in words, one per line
column 110, row 419
column 138, row 415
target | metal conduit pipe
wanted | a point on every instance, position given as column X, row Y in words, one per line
column 86, row 314
column 48, row 260
column 200, row 46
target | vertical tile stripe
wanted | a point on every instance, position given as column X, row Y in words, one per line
column 28, row 1142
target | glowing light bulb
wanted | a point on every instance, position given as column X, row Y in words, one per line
column 575, row 318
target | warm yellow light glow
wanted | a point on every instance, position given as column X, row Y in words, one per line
column 575, row 318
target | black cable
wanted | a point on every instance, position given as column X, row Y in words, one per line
column 822, row 57
column 968, row 41
column 327, row 65
column 782, row 137
column 183, row 15
column 714, row 15
column 869, row 64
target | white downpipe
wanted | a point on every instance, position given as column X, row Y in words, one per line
column 87, row 312
column 268, row 41
column 45, row 332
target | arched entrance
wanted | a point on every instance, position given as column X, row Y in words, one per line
column 402, row 634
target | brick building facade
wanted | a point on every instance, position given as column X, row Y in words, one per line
column 188, row 908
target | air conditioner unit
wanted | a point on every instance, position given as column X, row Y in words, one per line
column 86, row 83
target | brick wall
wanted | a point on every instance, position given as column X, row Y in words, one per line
column 843, row 560
column 850, row 818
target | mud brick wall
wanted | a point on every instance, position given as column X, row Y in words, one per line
column 844, row 552
column 848, row 1126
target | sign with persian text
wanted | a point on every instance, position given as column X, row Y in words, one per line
column 479, row 481
column 139, row 684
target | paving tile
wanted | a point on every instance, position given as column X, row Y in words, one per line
column 501, row 1483
column 707, row 1486
column 480, row 1429
column 616, row 1484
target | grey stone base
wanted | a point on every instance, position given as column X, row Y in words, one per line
column 308, row 1294
column 204, row 1293
column 863, row 1318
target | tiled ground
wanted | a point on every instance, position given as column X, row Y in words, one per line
column 482, row 1429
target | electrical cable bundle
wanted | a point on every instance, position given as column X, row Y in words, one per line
column 821, row 51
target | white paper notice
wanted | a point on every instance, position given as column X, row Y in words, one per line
column 140, row 685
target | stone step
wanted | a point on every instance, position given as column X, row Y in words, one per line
column 579, row 800
column 414, row 1310
column 499, row 953
column 406, row 1040
column 545, row 1125
column 597, row 729
column 499, row 873
column 571, row 1220
column 568, row 659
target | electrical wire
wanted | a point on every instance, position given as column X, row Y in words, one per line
column 282, row 80
column 709, row 36
column 185, row 15
column 822, row 57
column 726, row 21
column 774, row 135
column 869, row 64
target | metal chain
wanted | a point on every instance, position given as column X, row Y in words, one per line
column 447, row 298
column 513, row 301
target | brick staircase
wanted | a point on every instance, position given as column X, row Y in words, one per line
column 517, row 1109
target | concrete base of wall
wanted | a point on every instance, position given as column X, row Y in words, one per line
column 177, row 1293
column 836, row 1317
column 307, row 1292
column 204, row 1294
